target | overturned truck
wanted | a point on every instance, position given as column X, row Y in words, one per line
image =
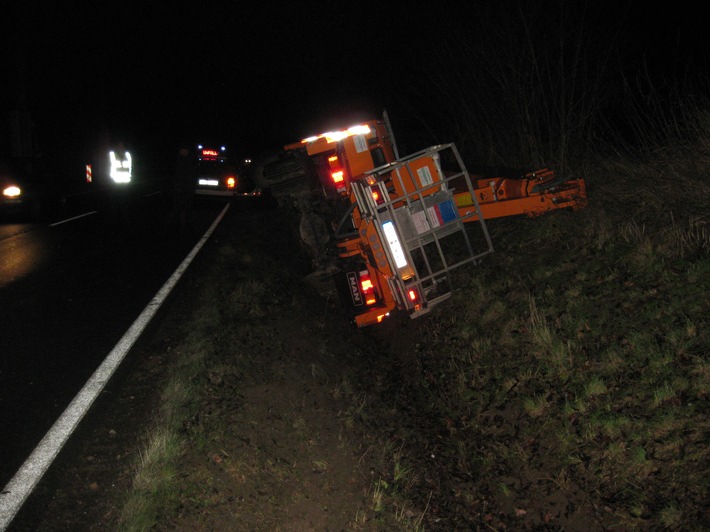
column 386, row 230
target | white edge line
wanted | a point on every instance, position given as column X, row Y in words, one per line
column 72, row 219
column 21, row 485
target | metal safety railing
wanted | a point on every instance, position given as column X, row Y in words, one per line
column 423, row 232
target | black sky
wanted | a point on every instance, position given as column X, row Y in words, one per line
column 183, row 70
column 255, row 76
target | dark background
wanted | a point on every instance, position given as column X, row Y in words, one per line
column 154, row 74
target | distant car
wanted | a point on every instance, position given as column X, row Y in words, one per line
column 218, row 175
column 20, row 195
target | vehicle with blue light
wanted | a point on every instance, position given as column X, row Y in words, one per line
column 217, row 174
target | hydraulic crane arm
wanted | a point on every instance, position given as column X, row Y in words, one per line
column 533, row 194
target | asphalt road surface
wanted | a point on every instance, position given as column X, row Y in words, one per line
column 69, row 289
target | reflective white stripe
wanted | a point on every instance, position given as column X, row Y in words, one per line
column 18, row 489
column 393, row 241
column 60, row 222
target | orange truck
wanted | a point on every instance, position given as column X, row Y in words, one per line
column 390, row 230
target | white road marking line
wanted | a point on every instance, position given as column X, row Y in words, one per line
column 19, row 488
column 72, row 219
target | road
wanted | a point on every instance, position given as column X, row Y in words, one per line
column 69, row 289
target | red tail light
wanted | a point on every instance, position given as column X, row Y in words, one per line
column 367, row 288
column 231, row 182
column 415, row 300
column 336, row 173
column 413, row 295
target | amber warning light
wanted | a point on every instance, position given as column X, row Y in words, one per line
column 335, row 136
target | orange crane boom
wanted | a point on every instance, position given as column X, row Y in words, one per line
column 533, row 194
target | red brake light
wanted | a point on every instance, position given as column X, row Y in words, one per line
column 414, row 299
column 336, row 173
column 368, row 289
column 231, row 182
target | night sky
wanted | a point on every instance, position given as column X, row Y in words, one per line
column 154, row 74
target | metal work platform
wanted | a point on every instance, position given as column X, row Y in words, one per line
column 424, row 234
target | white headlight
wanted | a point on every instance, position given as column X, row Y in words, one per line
column 12, row 191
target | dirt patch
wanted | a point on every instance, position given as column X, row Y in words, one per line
column 289, row 462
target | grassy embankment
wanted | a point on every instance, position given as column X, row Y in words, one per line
column 568, row 382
